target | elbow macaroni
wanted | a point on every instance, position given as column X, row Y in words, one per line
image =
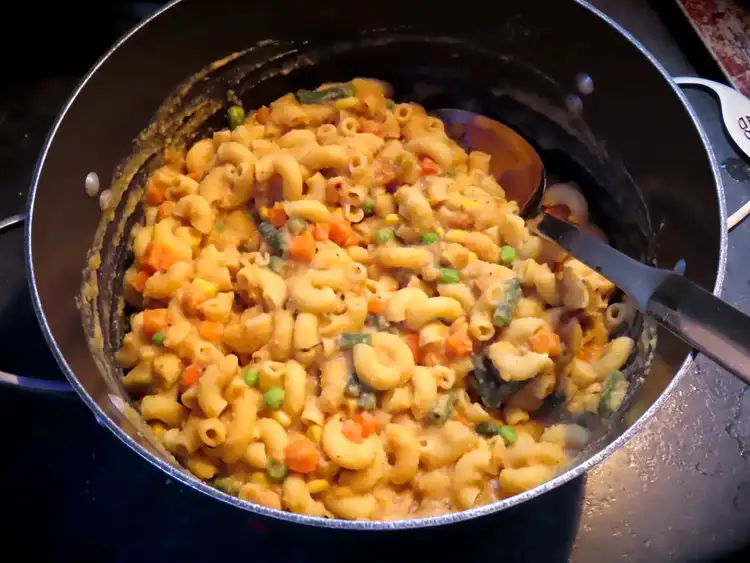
column 319, row 358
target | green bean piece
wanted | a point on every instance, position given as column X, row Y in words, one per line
column 326, row 95
column 507, row 255
column 493, row 391
column 235, row 116
column 443, row 409
column 390, row 104
column 449, row 275
column 229, row 485
column 508, row 435
column 348, row 340
column 429, row 238
column 251, row 377
column 605, row 400
column 274, row 398
column 384, row 236
column 276, row 471
column 296, row 225
column 487, row 429
column 158, row 338
column 373, row 320
column 273, row 236
column 367, row 401
column 368, row 206
column 504, row 311
column 276, row 264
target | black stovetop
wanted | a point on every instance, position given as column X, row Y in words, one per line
column 679, row 491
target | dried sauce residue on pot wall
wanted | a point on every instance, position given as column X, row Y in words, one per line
column 101, row 300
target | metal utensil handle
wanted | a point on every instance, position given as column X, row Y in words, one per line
column 636, row 279
column 30, row 383
column 704, row 321
column 735, row 113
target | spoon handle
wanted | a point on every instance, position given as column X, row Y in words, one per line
column 704, row 321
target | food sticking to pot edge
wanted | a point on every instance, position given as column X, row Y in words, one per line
column 339, row 314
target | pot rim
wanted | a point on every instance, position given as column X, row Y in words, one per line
column 318, row 522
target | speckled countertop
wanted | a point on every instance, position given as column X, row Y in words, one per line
column 678, row 491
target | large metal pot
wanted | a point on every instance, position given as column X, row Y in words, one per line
column 555, row 70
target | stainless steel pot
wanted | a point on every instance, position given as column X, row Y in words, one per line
column 553, row 69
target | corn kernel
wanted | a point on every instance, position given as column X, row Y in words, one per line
column 263, row 213
column 147, row 353
column 346, row 103
column 315, row 433
column 470, row 204
column 256, row 433
column 317, row 486
column 392, row 219
column 456, row 235
column 259, row 478
column 158, row 429
column 209, row 289
column 282, row 418
column 472, row 257
column 351, row 405
column 440, row 231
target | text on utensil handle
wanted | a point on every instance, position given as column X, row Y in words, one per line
column 744, row 123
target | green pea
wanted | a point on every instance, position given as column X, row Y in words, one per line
column 276, row 471
column 276, row 264
column 429, row 238
column 383, row 236
column 366, row 401
column 235, row 115
column 252, row 376
column 219, row 226
column 158, row 338
column 274, row 398
column 508, row 435
column 449, row 275
column 507, row 255
column 296, row 225
column 487, row 429
column 368, row 206
column 348, row 340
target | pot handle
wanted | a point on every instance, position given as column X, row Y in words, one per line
column 735, row 112
column 30, row 383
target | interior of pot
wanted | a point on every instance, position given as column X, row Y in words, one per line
column 649, row 191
